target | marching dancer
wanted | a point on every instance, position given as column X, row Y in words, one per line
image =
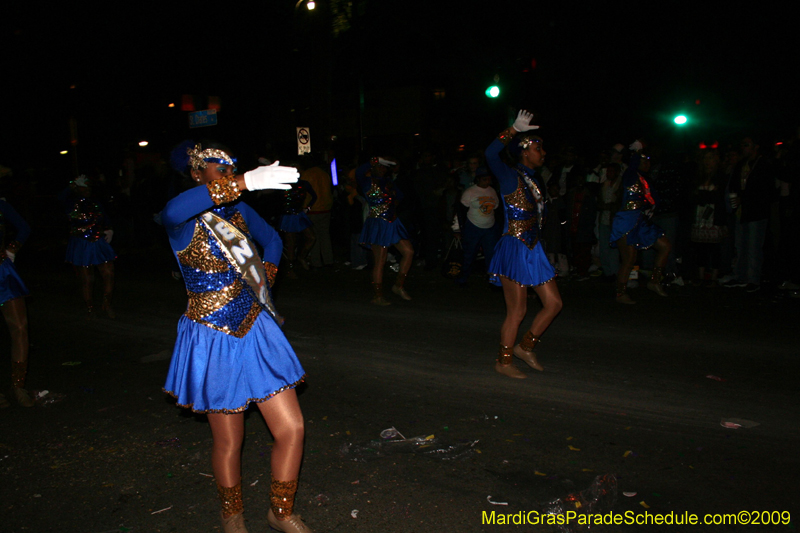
column 89, row 243
column 632, row 228
column 230, row 350
column 519, row 261
column 382, row 228
column 12, row 302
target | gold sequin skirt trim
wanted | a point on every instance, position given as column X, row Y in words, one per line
column 241, row 409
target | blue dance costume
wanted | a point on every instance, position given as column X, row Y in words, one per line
column 229, row 351
column 294, row 219
column 382, row 226
column 633, row 220
column 87, row 245
column 518, row 255
column 11, row 285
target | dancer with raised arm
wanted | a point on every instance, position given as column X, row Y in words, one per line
column 230, row 350
column 382, row 228
column 632, row 228
column 519, row 261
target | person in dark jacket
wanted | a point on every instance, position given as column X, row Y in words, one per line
column 750, row 190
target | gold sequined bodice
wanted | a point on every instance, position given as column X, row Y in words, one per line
column 524, row 210
column 218, row 296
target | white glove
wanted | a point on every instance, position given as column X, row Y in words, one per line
column 11, row 255
column 523, row 122
column 271, row 177
column 386, row 162
column 636, row 146
column 107, row 235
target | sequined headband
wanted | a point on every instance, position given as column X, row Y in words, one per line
column 200, row 158
column 527, row 141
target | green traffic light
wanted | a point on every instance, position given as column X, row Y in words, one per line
column 493, row 91
column 680, row 120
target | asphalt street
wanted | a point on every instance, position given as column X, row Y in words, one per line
column 638, row 392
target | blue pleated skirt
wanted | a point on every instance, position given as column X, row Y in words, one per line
column 81, row 252
column 381, row 232
column 295, row 223
column 11, row 285
column 642, row 234
column 213, row 372
column 515, row 261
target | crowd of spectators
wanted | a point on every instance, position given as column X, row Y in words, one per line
column 730, row 210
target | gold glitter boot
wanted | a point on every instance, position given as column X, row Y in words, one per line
column 398, row 289
column 377, row 295
column 524, row 350
column 505, row 364
column 232, row 514
column 655, row 281
column 622, row 294
column 280, row 516
column 18, row 393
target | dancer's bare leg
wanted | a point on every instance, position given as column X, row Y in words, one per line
column 627, row 255
column 107, row 273
column 16, row 315
column 407, row 251
column 379, row 254
column 516, row 298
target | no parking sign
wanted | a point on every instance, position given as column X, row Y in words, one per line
column 303, row 141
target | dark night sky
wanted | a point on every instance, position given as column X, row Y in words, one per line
column 602, row 74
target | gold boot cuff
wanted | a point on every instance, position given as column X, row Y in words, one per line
column 529, row 342
column 231, row 499
column 281, row 497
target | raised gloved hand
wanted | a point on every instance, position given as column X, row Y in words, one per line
column 11, row 255
column 523, row 122
column 108, row 235
column 271, row 177
column 636, row 146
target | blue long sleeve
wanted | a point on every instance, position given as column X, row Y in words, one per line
column 506, row 175
column 264, row 234
column 22, row 227
column 179, row 214
column 364, row 181
column 309, row 190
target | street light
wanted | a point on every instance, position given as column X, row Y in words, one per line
column 493, row 91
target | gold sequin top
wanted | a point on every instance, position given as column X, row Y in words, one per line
column 637, row 195
column 382, row 200
column 218, row 296
column 524, row 211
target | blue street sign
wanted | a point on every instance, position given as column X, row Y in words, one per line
column 200, row 119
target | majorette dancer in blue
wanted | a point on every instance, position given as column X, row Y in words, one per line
column 12, row 302
column 382, row 227
column 230, row 350
column 295, row 220
column 519, row 261
column 89, row 242
column 632, row 228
